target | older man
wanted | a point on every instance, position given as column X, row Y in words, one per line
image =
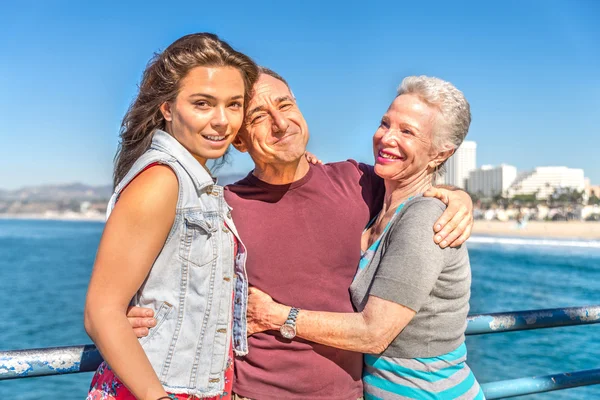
column 302, row 224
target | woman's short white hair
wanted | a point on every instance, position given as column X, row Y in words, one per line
column 453, row 125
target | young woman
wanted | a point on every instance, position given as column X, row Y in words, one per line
column 169, row 243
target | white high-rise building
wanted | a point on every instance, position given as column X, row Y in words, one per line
column 489, row 181
column 543, row 181
column 463, row 161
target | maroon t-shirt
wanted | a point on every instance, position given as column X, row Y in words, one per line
column 303, row 242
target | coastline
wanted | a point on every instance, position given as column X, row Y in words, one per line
column 533, row 229
column 539, row 229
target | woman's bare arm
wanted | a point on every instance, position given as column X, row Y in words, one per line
column 132, row 239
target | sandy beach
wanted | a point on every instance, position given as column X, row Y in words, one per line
column 558, row 229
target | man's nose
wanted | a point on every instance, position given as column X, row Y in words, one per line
column 220, row 121
column 280, row 122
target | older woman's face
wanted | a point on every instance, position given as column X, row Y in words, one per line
column 402, row 144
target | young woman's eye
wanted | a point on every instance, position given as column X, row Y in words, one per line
column 202, row 104
column 236, row 105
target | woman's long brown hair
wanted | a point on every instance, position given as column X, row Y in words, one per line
column 160, row 84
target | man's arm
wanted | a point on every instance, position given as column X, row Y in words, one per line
column 141, row 320
column 453, row 228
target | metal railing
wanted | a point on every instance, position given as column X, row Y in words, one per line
column 535, row 319
column 86, row 358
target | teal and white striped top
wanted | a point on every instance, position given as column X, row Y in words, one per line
column 442, row 377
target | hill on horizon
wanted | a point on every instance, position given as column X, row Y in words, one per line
column 78, row 191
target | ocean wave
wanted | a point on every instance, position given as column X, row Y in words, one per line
column 594, row 244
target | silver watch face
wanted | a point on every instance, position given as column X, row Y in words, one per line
column 287, row 331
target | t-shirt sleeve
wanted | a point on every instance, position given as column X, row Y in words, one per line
column 411, row 262
column 372, row 187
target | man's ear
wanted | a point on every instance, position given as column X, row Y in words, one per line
column 239, row 144
column 165, row 109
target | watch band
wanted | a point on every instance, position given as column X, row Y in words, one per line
column 288, row 329
column 291, row 319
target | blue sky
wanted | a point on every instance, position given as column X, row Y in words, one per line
column 530, row 69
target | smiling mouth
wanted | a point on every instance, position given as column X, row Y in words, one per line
column 215, row 138
column 286, row 137
column 388, row 156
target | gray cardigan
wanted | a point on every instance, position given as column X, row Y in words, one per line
column 408, row 268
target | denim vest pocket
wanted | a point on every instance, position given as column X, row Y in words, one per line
column 198, row 244
column 161, row 315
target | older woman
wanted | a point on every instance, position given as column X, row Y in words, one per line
column 412, row 296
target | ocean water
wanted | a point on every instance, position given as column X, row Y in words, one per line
column 45, row 267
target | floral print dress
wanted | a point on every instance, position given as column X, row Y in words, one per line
column 106, row 386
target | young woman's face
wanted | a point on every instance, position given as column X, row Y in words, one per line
column 207, row 112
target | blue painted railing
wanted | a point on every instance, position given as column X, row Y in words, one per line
column 74, row 359
column 533, row 319
column 539, row 384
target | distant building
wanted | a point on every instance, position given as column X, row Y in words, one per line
column 490, row 181
column 463, row 161
column 84, row 206
column 591, row 190
column 543, row 181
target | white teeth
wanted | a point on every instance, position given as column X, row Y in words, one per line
column 215, row 138
column 388, row 156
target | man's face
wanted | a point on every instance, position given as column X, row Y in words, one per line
column 274, row 130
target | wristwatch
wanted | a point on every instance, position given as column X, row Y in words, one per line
column 288, row 329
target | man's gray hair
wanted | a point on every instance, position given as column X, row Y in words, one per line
column 453, row 124
column 270, row 72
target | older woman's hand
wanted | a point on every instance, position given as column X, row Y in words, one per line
column 453, row 228
column 263, row 313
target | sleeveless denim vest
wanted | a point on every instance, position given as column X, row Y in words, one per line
column 194, row 279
